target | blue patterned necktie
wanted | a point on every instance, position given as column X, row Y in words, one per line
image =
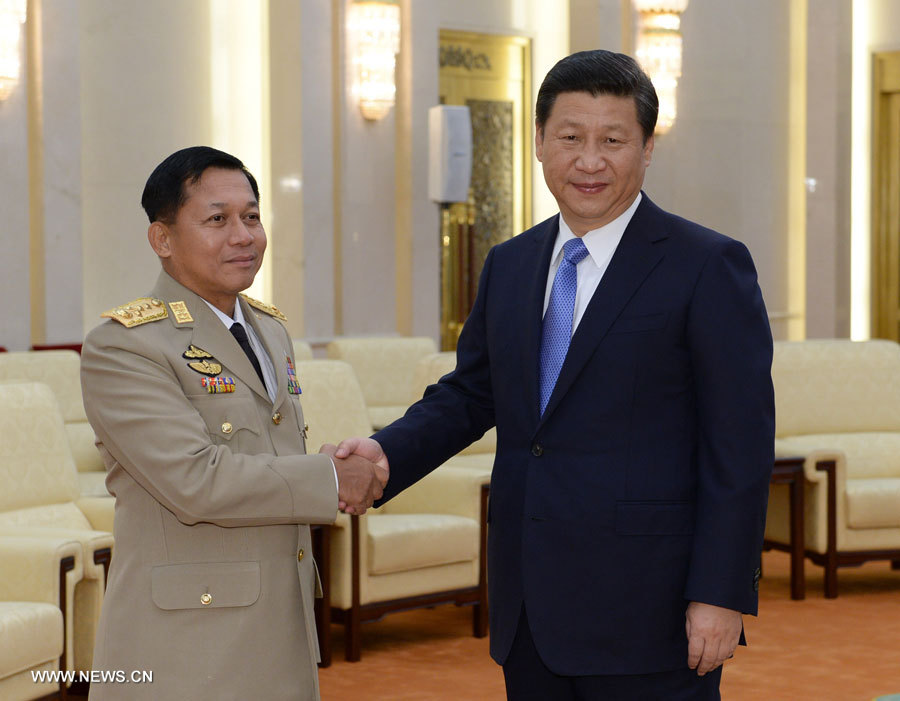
column 557, row 330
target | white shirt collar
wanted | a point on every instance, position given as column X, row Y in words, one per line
column 227, row 320
column 597, row 241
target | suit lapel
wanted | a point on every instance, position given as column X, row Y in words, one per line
column 533, row 310
column 273, row 348
column 636, row 256
column 210, row 334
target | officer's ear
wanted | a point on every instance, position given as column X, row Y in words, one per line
column 160, row 237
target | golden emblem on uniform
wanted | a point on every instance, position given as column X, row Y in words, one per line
column 180, row 312
column 140, row 311
column 204, row 367
column 269, row 309
column 193, row 353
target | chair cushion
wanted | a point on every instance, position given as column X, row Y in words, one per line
column 93, row 484
column 401, row 542
column 869, row 455
column 381, row 416
column 873, row 503
column 30, row 635
column 829, row 386
column 58, row 369
column 36, row 464
column 84, row 450
column 384, row 364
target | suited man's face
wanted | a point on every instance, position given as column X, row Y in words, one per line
column 216, row 243
column 593, row 153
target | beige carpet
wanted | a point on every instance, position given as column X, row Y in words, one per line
column 814, row 650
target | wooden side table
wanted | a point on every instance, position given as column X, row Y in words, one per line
column 789, row 471
column 321, row 546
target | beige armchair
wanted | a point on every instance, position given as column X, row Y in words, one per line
column 424, row 547
column 384, row 366
column 39, row 498
column 479, row 455
column 302, row 350
column 838, row 409
column 38, row 576
column 61, row 371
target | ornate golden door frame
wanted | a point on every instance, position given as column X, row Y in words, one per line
column 886, row 196
column 491, row 74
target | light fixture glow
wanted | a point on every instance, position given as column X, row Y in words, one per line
column 374, row 28
column 659, row 53
column 12, row 16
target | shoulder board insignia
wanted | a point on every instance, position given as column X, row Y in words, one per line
column 181, row 313
column 140, row 311
column 269, row 309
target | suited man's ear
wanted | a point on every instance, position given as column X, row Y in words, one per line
column 159, row 237
column 648, row 151
column 538, row 141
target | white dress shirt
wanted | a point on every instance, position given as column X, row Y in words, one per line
column 601, row 244
column 265, row 362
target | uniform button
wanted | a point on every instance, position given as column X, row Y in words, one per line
column 227, row 427
column 276, row 418
column 536, row 450
column 300, row 555
column 206, row 599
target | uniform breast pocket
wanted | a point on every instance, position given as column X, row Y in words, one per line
column 641, row 322
column 231, row 420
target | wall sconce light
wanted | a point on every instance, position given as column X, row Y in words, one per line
column 12, row 15
column 374, row 29
column 659, row 52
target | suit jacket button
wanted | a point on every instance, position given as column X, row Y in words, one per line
column 276, row 418
column 300, row 555
column 206, row 599
column 537, row 450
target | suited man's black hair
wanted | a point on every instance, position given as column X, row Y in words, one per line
column 600, row 72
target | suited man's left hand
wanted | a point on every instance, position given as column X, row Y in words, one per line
column 713, row 633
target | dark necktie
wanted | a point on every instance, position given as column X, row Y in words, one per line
column 240, row 336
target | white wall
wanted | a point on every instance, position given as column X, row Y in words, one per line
column 145, row 92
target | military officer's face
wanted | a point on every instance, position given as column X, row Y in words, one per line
column 217, row 241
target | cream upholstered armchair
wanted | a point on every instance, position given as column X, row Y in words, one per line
column 424, row 547
column 39, row 498
column 384, row 366
column 838, row 408
column 302, row 350
column 37, row 586
column 61, row 371
column 479, row 455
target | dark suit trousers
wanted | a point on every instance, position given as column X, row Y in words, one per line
column 528, row 679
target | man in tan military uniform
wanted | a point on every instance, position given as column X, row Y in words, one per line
column 212, row 582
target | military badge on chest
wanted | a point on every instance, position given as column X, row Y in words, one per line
column 204, row 363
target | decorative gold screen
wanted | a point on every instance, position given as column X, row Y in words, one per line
column 886, row 197
column 491, row 75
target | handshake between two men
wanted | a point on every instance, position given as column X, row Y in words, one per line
column 362, row 472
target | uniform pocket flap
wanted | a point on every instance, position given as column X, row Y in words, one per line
column 655, row 518
column 199, row 585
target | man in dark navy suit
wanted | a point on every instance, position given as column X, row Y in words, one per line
column 624, row 355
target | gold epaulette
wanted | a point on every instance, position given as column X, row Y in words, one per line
column 269, row 309
column 140, row 311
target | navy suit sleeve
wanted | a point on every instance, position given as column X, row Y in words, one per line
column 453, row 413
column 731, row 358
